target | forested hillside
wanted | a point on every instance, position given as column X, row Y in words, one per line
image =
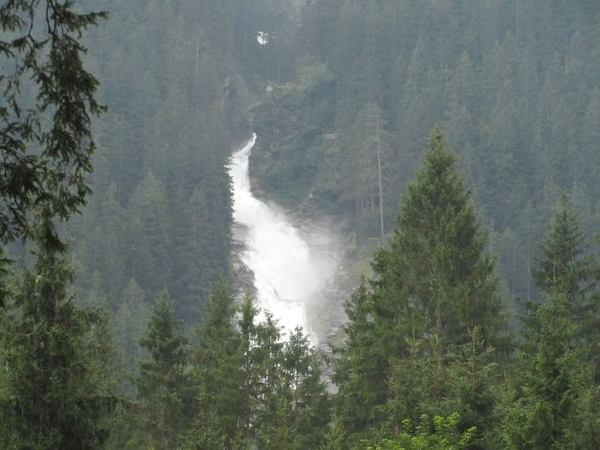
column 514, row 84
column 160, row 216
column 458, row 139
column 174, row 76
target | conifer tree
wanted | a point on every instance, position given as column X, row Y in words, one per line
column 131, row 322
column 442, row 433
column 554, row 405
column 45, row 120
column 435, row 283
column 363, row 363
column 564, row 269
column 304, row 395
column 55, row 356
column 163, row 385
column 439, row 247
column 218, row 376
column 553, row 379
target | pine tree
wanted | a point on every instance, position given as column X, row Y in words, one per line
column 131, row 322
column 440, row 249
column 56, row 357
column 363, row 363
column 441, row 433
column 286, row 404
column 267, row 382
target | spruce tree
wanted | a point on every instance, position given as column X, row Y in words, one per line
column 435, row 283
column 55, row 356
column 439, row 248
column 363, row 363
column 131, row 322
column 564, row 268
column 303, row 397
column 218, row 361
column 163, row 385
column 553, row 378
column 555, row 403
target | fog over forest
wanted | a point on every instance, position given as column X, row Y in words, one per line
column 437, row 162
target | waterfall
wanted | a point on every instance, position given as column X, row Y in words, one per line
column 287, row 273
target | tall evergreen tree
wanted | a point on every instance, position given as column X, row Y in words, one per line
column 131, row 322
column 218, row 376
column 163, row 385
column 439, row 248
column 435, row 283
column 558, row 357
column 564, row 268
column 554, row 382
column 55, row 357
column 305, row 392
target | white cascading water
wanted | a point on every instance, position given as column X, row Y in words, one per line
column 286, row 273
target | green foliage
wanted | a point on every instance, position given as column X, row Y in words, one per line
column 334, row 437
column 439, row 246
column 553, row 377
column 568, row 269
column 278, row 118
column 557, row 362
column 365, row 168
column 48, row 99
column 361, row 368
column 163, row 387
column 218, row 371
column 441, row 434
column 161, row 210
column 564, row 268
column 465, row 381
column 57, row 391
column 254, row 389
column 420, row 333
column 513, row 83
column 131, row 324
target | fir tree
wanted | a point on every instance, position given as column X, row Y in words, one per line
column 304, row 396
column 439, row 253
column 554, row 405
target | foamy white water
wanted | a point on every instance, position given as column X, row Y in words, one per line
column 286, row 274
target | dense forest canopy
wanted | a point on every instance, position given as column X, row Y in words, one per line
column 459, row 140
column 513, row 83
